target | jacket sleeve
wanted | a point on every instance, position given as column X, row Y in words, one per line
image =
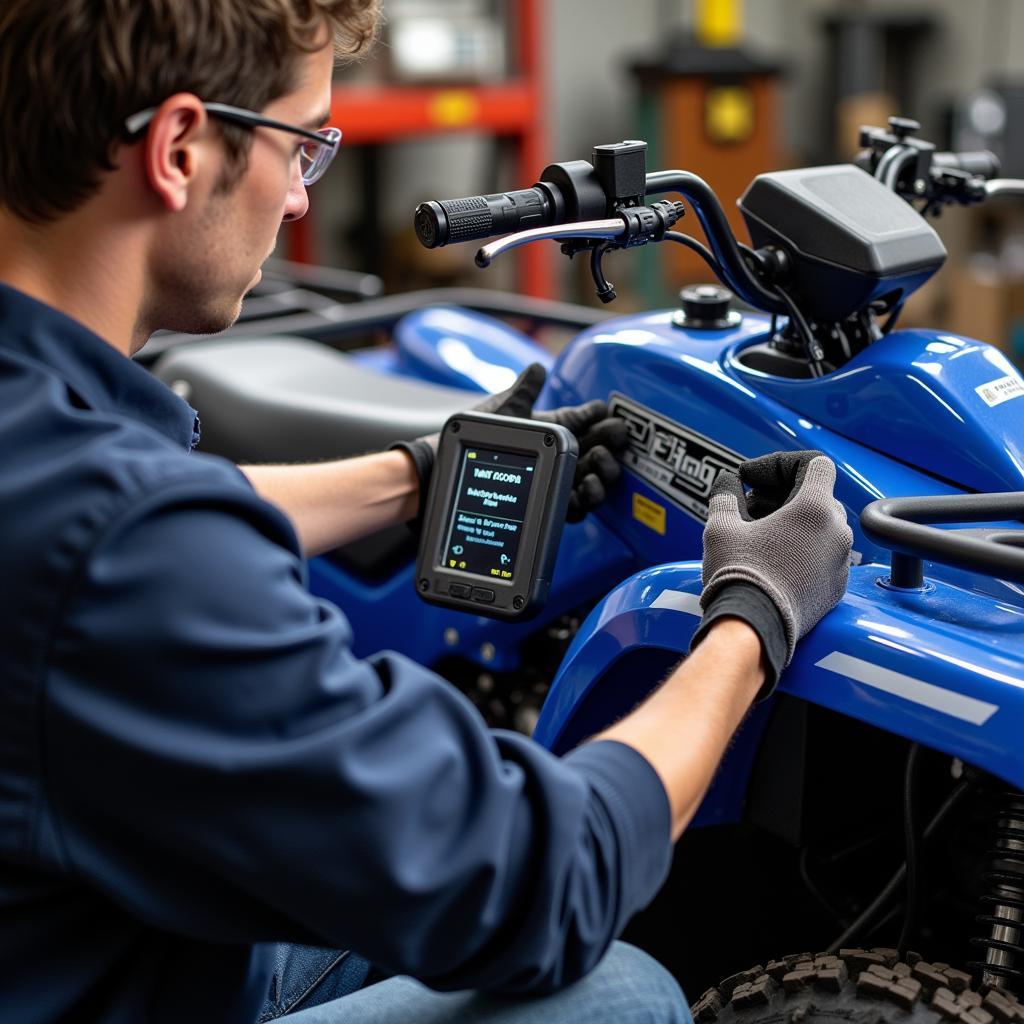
column 221, row 765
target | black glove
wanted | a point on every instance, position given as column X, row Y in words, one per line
column 600, row 438
column 778, row 557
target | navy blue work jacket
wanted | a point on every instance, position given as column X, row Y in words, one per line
column 194, row 765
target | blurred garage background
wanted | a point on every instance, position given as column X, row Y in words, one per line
column 466, row 97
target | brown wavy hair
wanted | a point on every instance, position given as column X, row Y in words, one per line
column 71, row 71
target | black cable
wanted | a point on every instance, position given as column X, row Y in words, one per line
column 813, row 888
column 701, row 250
column 910, row 837
column 756, row 263
column 844, row 342
column 879, row 902
column 810, row 343
column 894, row 315
column 880, row 925
column 753, row 259
column 847, row 851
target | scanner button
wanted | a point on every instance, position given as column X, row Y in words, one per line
column 483, row 596
column 460, row 590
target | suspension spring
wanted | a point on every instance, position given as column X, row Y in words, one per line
column 1003, row 905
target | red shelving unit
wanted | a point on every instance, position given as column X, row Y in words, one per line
column 512, row 109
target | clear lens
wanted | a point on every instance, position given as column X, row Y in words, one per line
column 316, row 157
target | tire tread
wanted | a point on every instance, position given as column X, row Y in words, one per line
column 863, row 986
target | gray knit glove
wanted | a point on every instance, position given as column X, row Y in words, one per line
column 787, row 540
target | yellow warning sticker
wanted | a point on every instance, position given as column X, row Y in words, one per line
column 650, row 513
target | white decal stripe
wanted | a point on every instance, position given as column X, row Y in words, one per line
column 967, row 709
column 680, row 601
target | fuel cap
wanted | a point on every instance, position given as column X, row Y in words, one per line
column 705, row 307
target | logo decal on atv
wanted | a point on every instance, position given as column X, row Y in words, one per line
column 675, row 461
column 995, row 392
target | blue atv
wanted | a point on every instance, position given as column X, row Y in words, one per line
column 873, row 807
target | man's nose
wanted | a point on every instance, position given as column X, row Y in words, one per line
column 297, row 203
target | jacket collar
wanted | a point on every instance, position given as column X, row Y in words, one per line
column 101, row 377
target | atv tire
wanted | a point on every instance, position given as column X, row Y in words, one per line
column 857, row 986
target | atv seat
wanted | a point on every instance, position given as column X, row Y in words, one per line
column 293, row 400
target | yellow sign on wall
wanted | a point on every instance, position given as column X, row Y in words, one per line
column 454, row 108
column 729, row 113
column 719, row 22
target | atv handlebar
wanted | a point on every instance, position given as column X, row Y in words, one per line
column 446, row 221
column 899, row 524
column 562, row 198
column 583, row 196
column 912, row 168
column 978, row 163
column 735, row 272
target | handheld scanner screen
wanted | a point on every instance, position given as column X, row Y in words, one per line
column 489, row 507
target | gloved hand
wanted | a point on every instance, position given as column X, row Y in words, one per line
column 600, row 437
column 778, row 557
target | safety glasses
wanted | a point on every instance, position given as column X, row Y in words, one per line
column 315, row 155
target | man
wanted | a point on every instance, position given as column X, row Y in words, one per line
column 194, row 765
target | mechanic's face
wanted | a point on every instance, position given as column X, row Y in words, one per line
column 216, row 256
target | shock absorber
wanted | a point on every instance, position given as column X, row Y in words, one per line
column 1003, row 904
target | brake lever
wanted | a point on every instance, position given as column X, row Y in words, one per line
column 633, row 226
column 612, row 228
column 1004, row 187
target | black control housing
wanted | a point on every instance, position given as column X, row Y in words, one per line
column 850, row 241
column 494, row 515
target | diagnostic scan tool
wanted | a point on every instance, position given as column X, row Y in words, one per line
column 494, row 517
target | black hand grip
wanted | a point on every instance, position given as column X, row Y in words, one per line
column 899, row 524
column 980, row 163
column 463, row 220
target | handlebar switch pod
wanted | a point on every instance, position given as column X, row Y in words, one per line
column 622, row 171
column 648, row 223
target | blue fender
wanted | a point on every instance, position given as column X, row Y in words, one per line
column 627, row 645
column 943, row 667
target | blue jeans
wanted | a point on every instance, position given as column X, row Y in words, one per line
column 626, row 987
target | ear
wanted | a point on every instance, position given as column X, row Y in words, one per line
column 172, row 154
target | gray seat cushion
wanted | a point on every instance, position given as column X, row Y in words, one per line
column 293, row 400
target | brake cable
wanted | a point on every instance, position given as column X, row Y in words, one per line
column 879, row 902
column 815, row 353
